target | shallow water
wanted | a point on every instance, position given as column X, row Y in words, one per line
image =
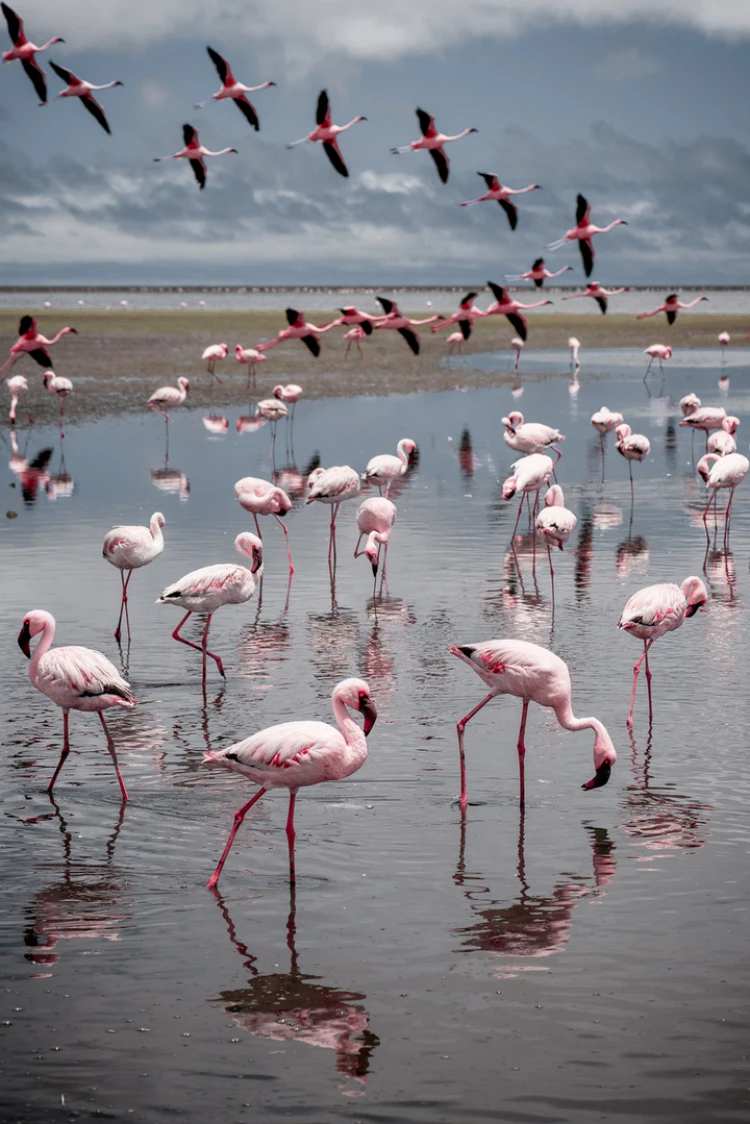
column 587, row 961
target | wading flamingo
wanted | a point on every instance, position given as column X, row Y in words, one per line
column 250, row 356
column 333, row 486
column 169, row 396
column 327, row 133
column 726, row 472
column 353, row 337
column 653, row 611
column 583, row 232
column 455, row 342
column 260, row 497
column 632, row 446
column 528, row 475
column 533, row 674
column 671, row 306
column 294, row 755
column 499, row 193
column 433, row 142
column 704, row 418
column 606, row 420
column 129, row 548
column 402, row 324
column 575, row 346
column 385, row 468
column 75, row 679
column 724, row 339
column 25, row 51
column 59, row 386
column 290, row 394
column 660, row 351
column 31, row 342
column 538, row 273
column 214, row 353
column 689, row 404
column 78, row 88
column 505, row 305
column 195, row 152
column 17, row 386
column 299, row 329
column 530, row 437
column 207, row 589
column 555, row 523
column 597, row 293
column 518, row 345
column 375, row 519
column 722, row 441
column 231, row 88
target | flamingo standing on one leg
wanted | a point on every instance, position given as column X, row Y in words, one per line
column 518, row 345
column 583, row 233
column 214, row 353
column 129, row 548
column 375, row 519
column 528, row 475
column 653, row 611
column 671, row 305
column 530, row 437
column 726, row 472
column 632, row 446
column 533, row 674
column 31, row 342
column 723, row 338
column 327, row 133
column 195, row 152
column 658, row 351
column 385, row 468
column 17, row 386
column 60, row 387
column 433, row 142
column 26, row 51
column 575, row 346
column 556, row 524
column 597, row 293
column 231, row 88
column 497, row 192
column 353, row 337
column 333, row 486
column 78, row 88
column 75, row 679
column 505, row 305
column 207, row 589
column 294, row 755
column 606, row 420
column 722, row 441
column 169, row 396
column 250, row 356
column 455, row 342
column 538, row 273
column 272, row 410
column 260, row 497
column 704, row 418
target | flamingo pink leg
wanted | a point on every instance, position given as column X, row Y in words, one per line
column 199, row 647
column 124, row 604
column 291, row 835
column 551, row 578
column 285, row 529
column 522, row 751
column 648, row 685
column 726, row 519
column 238, row 818
column 636, row 668
column 257, row 527
column 332, row 536
column 460, row 727
column 515, row 528
column 113, row 755
column 64, row 754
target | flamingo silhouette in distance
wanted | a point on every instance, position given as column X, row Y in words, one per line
column 327, row 134
column 597, row 293
column 583, row 232
column 26, row 51
column 499, row 193
column 538, row 273
column 231, row 88
column 432, row 141
column 195, row 152
column 671, row 306
column 78, row 88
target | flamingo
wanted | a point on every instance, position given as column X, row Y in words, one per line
column 207, row 589
column 528, row 474
column 333, row 486
column 353, row 336
column 384, row 469
column 375, row 519
column 658, row 351
column 59, row 386
column 327, row 133
column 505, row 305
column 632, row 446
column 575, row 346
column 538, row 273
column 31, row 342
column 402, row 324
column 530, row 437
column 455, row 342
column 723, row 338
column 296, row 754
column 75, row 679
column 689, row 404
column 78, row 88
column 498, row 192
column 195, row 152
column 533, row 674
column 299, row 329
column 433, row 142
column 464, row 317
column 214, row 353
column 556, row 524
column 290, row 393
column 24, row 50
column 129, row 548
column 216, row 424
column 726, row 472
column 722, row 441
column 597, row 293
column 250, row 356
column 583, row 232
column 352, row 316
column 260, row 497
column 17, row 386
column 606, row 420
column 170, row 396
column 671, row 306
column 518, row 345
column 231, row 88
column 653, row 611
column 705, row 418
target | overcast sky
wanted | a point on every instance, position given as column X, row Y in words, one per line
column 644, row 110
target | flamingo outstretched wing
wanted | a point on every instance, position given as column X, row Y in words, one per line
column 96, row 111
column 442, row 163
column 222, row 67
column 323, row 110
column 293, row 318
column 587, row 256
column 426, row 123
column 248, row 111
column 411, row 338
column 312, row 344
column 499, row 292
column 40, row 356
column 189, row 134
column 15, row 26
column 66, row 75
column 491, row 180
column 518, row 323
column 199, row 171
column 465, row 326
column 333, row 152
column 36, row 74
column 583, row 210
column 511, row 211
column 602, row 302
column 388, row 305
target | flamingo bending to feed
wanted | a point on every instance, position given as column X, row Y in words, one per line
column 528, row 474
column 597, row 293
column 402, row 324
column 24, row 50
column 555, row 523
column 207, row 589
column 433, row 142
column 385, row 468
column 17, row 386
column 260, row 497
column 653, row 611
column 538, row 273
column 195, row 152
column 250, row 356
column 327, row 133
column 530, row 437
column 59, row 386
column 214, row 353
column 290, row 393
column 78, row 88
column 725, row 472
column 632, row 446
column 31, row 342
column 518, row 345
column 670, row 307
column 723, row 441
column 169, row 396
column 294, row 755
column 129, row 548
column 583, row 232
column 299, row 329
column 231, row 88
column 501, row 194
column 353, row 337
column 533, row 674
column 75, row 679
column 575, row 346
column 658, row 351
column 333, row 486
column 375, row 519
column 505, row 305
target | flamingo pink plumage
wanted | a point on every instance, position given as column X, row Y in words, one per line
column 60, row 387
column 353, row 316
column 375, row 519
column 385, row 468
column 528, row 475
column 231, row 88
column 538, row 273
column 725, row 472
column 299, row 329
column 26, row 51
column 632, row 446
column 17, row 385
column 327, row 133
column 395, row 320
column 433, row 142
column 583, row 232
column 723, row 441
column 31, row 342
column 333, row 486
column 195, row 152
column 499, row 193
column 261, row 497
column 289, row 394
column 78, row 88
column 658, row 351
column 689, row 404
column 671, row 305
column 597, row 293
column 169, row 396
column 505, row 305
column 606, row 420
column 530, row 437
column 555, row 523
column 213, row 354
column 129, row 548
column 455, row 342
column 250, row 356
column 704, row 418
column 518, row 345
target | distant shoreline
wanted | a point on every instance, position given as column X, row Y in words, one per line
column 367, row 289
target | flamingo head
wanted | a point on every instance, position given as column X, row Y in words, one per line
column 184, row 384
column 605, row 756
column 250, row 545
column 408, row 446
column 730, row 424
column 157, row 519
column 513, row 420
column 355, row 693
column 554, row 497
column 695, row 594
column 509, row 488
column 689, row 404
column 623, row 431
column 34, row 622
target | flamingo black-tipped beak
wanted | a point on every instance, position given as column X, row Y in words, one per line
column 601, row 777
column 693, row 609
column 367, row 708
column 374, row 569
column 24, row 640
column 257, row 561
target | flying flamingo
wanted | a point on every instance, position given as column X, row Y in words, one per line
column 575, row 346
column 290, row 393
column 556, row 524
column 505, row 305
column 214, row 353
column 25, row 51
column 464, row 317
column 195, row 152
column 455, row 342
column 632, row 446
column 722, row 441
column 726, row 472
column 299, row 329
column 653, row 611
column 129, row 548
column 75, row 679
column 231, row 88
column 327, row 133
column 658, row 351
column 583, row 232
column 375, row 519
column 597, row 293
column 433, row 142
column 402, row 324
column 501, row 194
column 169, row 396
column 78, row 88
column 518, row 345
column 333, row 486
column 538, row 273
column 530, row 437
column 31, row 342
column 260, row 497
column 533, row 674
column 385, row 468
column 17, row 386
column 671, row 306
column 250, row 356
column 353, row 336
column 352, row 316
column 207, row 589
column 528, row 474
column 296, row 754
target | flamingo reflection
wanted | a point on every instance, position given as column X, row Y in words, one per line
column 171, row 480
column 657, row 818
column 32, row 474
column 466, row 459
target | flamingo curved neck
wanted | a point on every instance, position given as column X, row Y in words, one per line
column 43, row 646
column 351, row 732
column 567, row 719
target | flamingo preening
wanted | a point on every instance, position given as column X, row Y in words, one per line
column 530, row 437
column 78, row 88
column 722, row 441
column 538, row 273
column 498, row 193
column 195, row 152
column 129, row 548
column 26, row 51
column 231, row 88
column 583, row 232
column 433, row 142
column 670, row 307
column 327, row 133
column 375, row 519
column 555, row 523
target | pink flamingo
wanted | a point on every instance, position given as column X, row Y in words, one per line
column 653, row 611
column 575, row 346
column 333, row 486
column 24, row 50
column 216, row 424
column 704, row 418
column 291, row 394
column 505, row 305
column 352, row 316
column 533, row 674
column 375, row 519
column 528, row 475
column 597, row 293
column 207, row 589
column 75, row 679
column 726, row 472
column 294, row 755
column 402, row 324
column 518, row 345
column 689, row 404
column 250, row 356
column 538, row 273
column 632, row 446
column 606, row 420
column 31, row 342
column 583, row 232
column 353, row 336
column 455, row 342
column 214, row 353
column 530, row 437
column 497, row 192
column 231, row 88
column 299, row 329
column 724, row 339
column 467, row 313
column 658, row 351
column 169, row 396
column 722, row 441
column 433, row 142
column 260, row 497
column 385, row 468
column 17, row 386
column 60, row 387
column 327, row 133
column 78, row 88
column 671, row 306
column 195, row 152
column 556, row 524
column 129, row 548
